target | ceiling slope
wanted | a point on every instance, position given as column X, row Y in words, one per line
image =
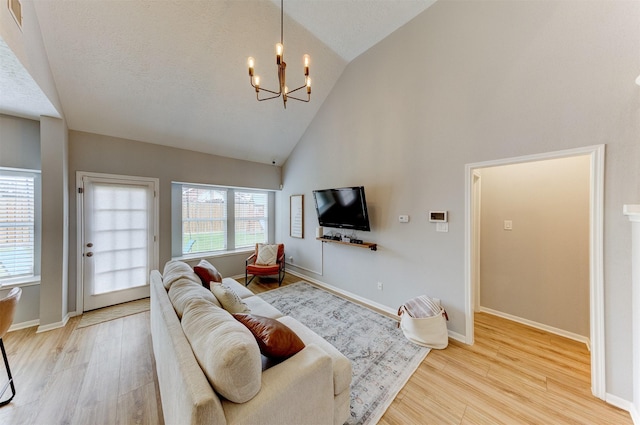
column 174, row 72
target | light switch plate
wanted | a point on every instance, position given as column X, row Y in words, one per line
column 508, row 225
column 403, row 218
column 442, row 227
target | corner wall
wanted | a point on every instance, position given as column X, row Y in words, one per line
column 468, row 82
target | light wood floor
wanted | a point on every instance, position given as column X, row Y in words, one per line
column 105, row 374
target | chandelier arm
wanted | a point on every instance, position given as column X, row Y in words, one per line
column 270, row 91
column 267, row 98
column 294, row 90
column 301, row 100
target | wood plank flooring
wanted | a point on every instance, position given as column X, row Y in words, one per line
column 105, row 374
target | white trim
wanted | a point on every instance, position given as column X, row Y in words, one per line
column 620, row 403
column 55, row 325
column 635, row 415
column 387, row 311
column 596, row 276
column 541, row 326
column 213, row 254
column 80, row 225
column 24, row 325
column 457, row 336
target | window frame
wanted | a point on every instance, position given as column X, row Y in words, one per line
column 177, row 223
column 34, row 277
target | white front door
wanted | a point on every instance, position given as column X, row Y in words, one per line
column 118, row 238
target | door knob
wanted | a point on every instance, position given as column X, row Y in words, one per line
column 89, row 254
column 89, row 245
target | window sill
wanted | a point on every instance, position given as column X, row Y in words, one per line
column 219, row 254
column 20, row 282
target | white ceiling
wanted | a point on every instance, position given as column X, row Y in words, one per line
column 174, row 72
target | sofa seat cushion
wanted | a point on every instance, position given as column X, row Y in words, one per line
column 225, row 349
column 184, row 290
column 341, row 365
column 261, row 307
column 175, row 270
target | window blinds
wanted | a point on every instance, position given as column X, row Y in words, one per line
column 17, row 222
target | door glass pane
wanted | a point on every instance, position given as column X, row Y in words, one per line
column 120, row 237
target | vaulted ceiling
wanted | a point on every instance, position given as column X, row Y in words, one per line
column 174, row 72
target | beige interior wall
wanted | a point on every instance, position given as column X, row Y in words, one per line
column 539, row 270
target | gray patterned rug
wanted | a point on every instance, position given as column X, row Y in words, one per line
column 382, row 359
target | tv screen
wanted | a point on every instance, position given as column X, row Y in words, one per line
column 344, row 208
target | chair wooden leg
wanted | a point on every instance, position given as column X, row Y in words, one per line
column 10, row 383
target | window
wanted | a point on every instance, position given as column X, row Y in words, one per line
column 251, row 214
column 218, row 219
column 18, row 221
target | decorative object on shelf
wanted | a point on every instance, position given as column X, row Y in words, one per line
column 296, row 216
column 283, row 90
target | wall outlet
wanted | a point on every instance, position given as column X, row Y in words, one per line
column 291, row 259
column 379, row 286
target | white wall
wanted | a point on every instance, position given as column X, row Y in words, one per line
column 468, row 82
column 539, row 270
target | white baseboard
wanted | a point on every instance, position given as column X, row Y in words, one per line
column 458, row 337
column 56, row 325
column 383, row 309
column 635, row 415
column 24, row 325
column 623, row 404
column 540, row 326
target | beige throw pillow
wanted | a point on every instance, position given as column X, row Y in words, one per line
column 267, row 255
column 230, row 300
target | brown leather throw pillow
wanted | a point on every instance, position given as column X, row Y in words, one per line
column 207, row 273
column 274, row 338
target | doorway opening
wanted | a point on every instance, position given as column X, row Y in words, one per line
column 596, row 281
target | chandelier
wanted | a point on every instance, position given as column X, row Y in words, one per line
column 283, row 90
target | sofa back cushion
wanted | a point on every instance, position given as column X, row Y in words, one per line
column 175, row 270
column 184, row 290
column 226, row 351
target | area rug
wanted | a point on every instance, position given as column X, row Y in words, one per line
column 382, row 358
column 114, row 312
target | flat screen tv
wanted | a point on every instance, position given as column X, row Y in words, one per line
column 344, row 208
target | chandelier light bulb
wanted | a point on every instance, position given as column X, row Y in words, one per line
column 251, row 62
column 308, row 85
column 286, row 89
column 279, row 50
column 256, row 83
column 306, row 59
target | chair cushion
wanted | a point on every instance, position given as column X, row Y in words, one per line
column 258, row 269
column 207, row 273
column 267, row 254
column 229, row 300
column 275, row 339
column 225, row 349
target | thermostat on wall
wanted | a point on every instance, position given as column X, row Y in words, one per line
column 438, row 216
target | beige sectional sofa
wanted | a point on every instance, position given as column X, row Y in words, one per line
column 209, row 366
